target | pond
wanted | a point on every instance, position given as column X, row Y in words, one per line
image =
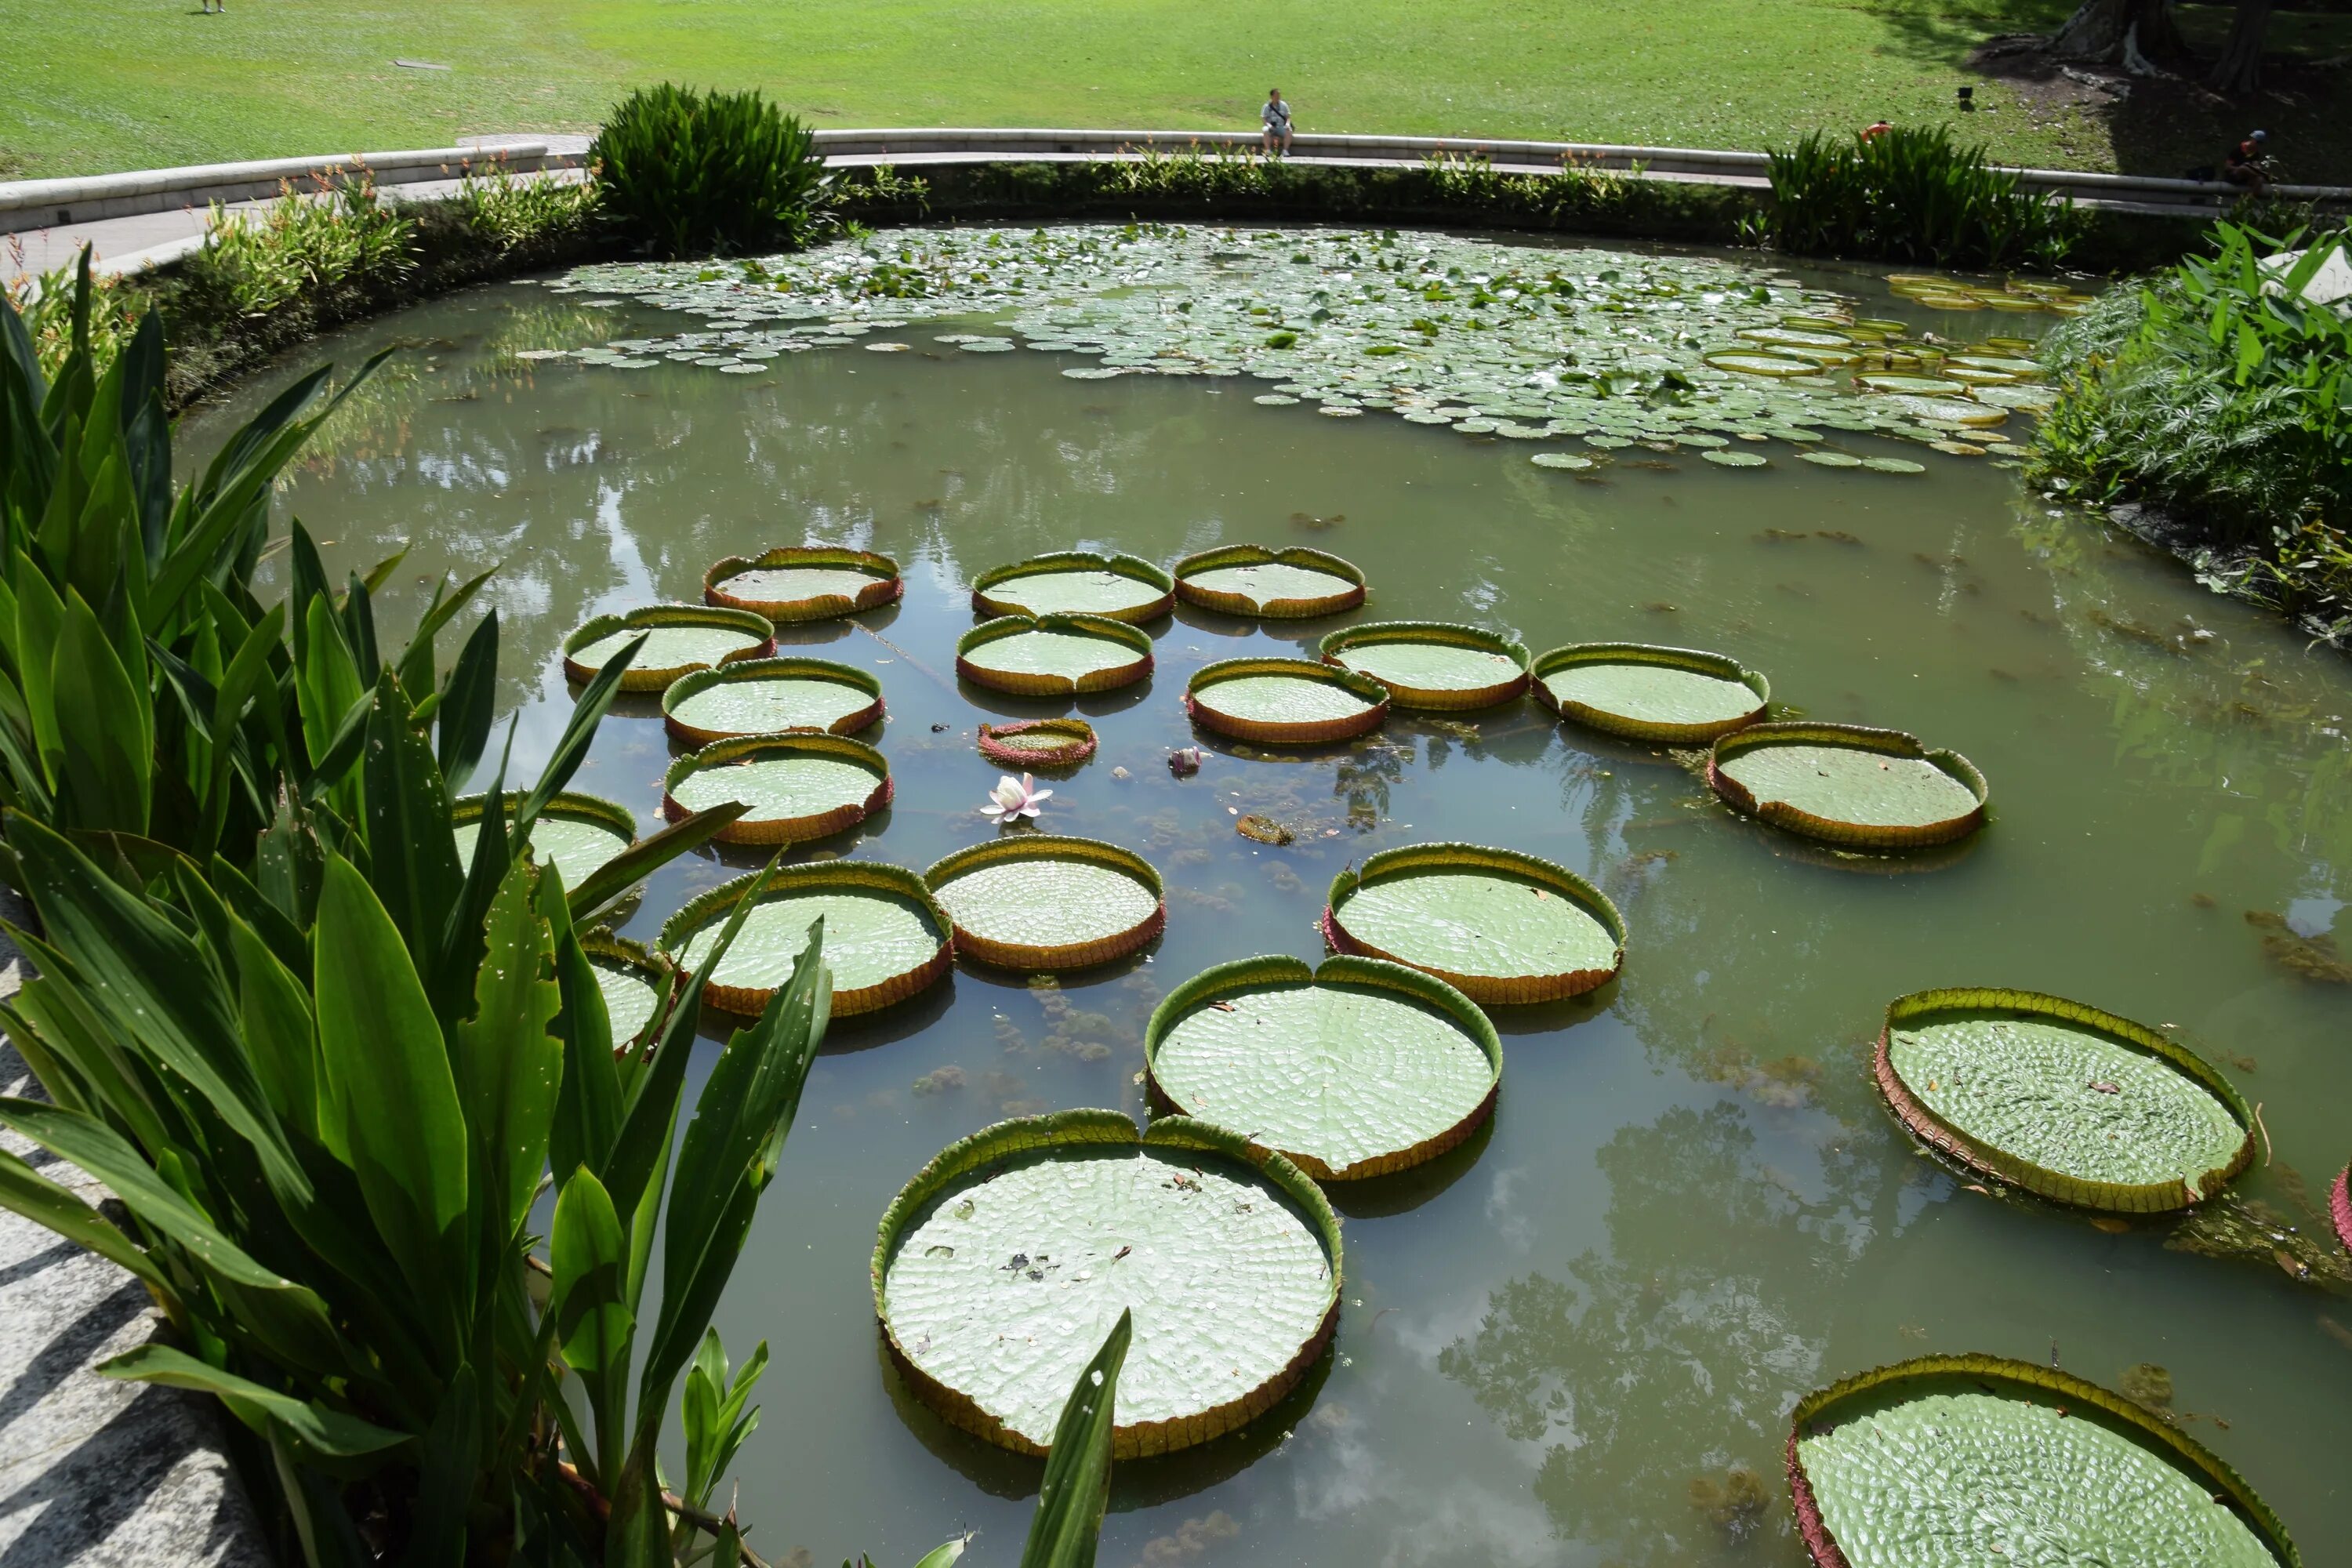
column 1576, row 1337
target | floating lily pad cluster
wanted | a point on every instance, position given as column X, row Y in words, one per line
column 1515, row 342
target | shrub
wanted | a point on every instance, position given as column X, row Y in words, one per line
column 526, row 218
column 695, row 172
column 1912, row 194
column 45, row 305
column 2217, row 392
column 342, row 237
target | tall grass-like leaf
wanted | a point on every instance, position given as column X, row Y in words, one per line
column 391, row 1109
column 105, row 731
column 323, row 1431
column 469, row 704
column 26, row 1191
column 605, row 886
column 508, row 1064
column 412, row 853
column 592, row 1307
column 1068, row 1525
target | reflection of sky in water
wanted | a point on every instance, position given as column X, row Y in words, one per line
column 1690, row 1208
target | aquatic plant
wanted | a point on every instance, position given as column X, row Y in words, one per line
column 1913, row 194
column 693, row 172
column 1041, row 903
column 1012, row 799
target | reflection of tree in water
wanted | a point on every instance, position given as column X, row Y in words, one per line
column 1364, row 776
column 1655, row 1369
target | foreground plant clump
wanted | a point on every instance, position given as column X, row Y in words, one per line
column 2222, row 391
column 1913, row 194
column 1511, row 341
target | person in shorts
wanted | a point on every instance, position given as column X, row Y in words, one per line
column 1274, row 115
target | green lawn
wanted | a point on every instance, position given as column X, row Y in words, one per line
column 108, row 84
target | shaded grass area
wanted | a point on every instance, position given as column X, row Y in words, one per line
column 110, row 84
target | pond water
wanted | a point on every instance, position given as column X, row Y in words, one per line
column 1560, row 1341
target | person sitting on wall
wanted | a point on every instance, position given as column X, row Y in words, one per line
column 1275, row 117
column 2247, row 165
column 1873, row 132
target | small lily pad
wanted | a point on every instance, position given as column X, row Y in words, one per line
column 1038, row 1233
column 1355, row 1070
column 1893, row 466
column 1668, row 695
column 1294, row 583
column 1501, row 926
column 1038, row 743
column 1051, row 656
column 1849, row 785
column 1569, row 461
column 885, row 939
column 765, row 696
column 1832, row 459
column 574, row 834
column 1041, row 902
column 1284, row 702
column 679, row 639
column 1957, row 1461
column 797, row 786
column 1076, row 582
column 810, row 583
column 2061, row 1098
column 1734, row 459
column 1432, row 664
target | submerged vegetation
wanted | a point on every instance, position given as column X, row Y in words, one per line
column 2219, row 393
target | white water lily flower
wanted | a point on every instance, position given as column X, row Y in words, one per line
column 1014, row 798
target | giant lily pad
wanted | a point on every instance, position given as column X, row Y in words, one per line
column 766, row 696
column 1001, row 1266
column 1432, row 664
column 1053, row 656
column 797, row 786
column 1358, row 1069
column 1963, row 1461
column 1076, row 582
column 804, row 582
column 1038, row 743
column 636, row 982
column 1848, row 784
column 574, row 833
column 1041, row 902
column 1293, row 702
column 1275, row 584
column 2061, row 1098
column 885, row 939
column 1502, row 926
column 1664, row 694
column 679, row 638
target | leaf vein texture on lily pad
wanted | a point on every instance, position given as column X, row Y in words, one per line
column 1502, row 926
column 1356, row 1069
column 1001, row 1265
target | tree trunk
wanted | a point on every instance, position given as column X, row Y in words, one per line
column 2107, row 29
column 2240, row 70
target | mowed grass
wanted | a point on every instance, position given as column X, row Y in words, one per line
column 96, row 85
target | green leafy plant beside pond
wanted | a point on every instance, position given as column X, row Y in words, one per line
column 1913, row 194
column 2219, row 393
column 696, row 173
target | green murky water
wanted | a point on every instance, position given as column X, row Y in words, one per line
column 1690, row 1208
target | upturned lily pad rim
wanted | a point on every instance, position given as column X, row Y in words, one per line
column 1047, row 957
column 2020, row 1380
column 566, row 805
column 1300, row 555
column 1447, row 634
column 1484, row 990
column 1348, row 971
column 1121, row 564
column 785, row 667
column 1304, row 732
column 605, row 950
column 1569, row 656
column 1022, row 683
column 2339, row 1206
column 750, row 829
column 815, row 876
column 990, row 740
column 886, row 588
column 1988, row 1159
column 652, row 617
column 1076, row 1130
column 1853, row 737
